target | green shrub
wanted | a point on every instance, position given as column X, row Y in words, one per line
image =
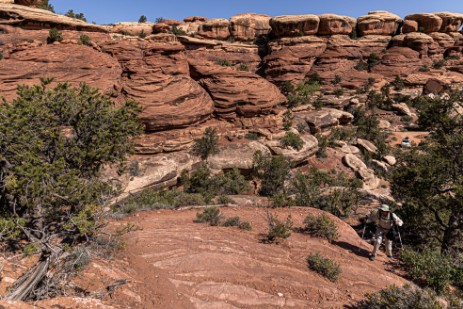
column 439, row 64
column 406, row 297
column 453, row 57
column 160, row 20
column 224, row 199
column 318, row 104
column 321, row 226
column 398, row 83
column 431, row 268
column 281, row 200
column 407, row 118
column 30, row 249
column 272, row 171
column 251, row 136
column 211, row 215
column 79, row 16
column 142, row 19
column 1, row 56
column 85, row 40
column 44, row 5
column 207, row 145
column 361, row 66
column 424, row 68
column 236, row 221
column 324, row 266
column 178, row 32
column 373, row 60
column 54, row 36
column 292, row 140
column 353, row 34
column 337, row 79
column 322, row 145
column 278, row 229
column 224, row 63
column 338, row 92
column 243, row 67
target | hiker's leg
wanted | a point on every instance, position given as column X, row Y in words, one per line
column 378, row 241
column 388, row 247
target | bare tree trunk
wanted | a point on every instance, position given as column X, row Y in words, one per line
column 29, row 281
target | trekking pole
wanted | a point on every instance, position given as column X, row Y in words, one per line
column 400, row 238
column 364, row 228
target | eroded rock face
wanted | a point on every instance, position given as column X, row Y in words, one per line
column 325, row 118
column 294, row 25
column 451, row 22
column 130, row 28
column 247, row 27
column 296, row 157
column 236, row 155
column 378, row 23
column 425, row 22
column 215, row 29
column 370, row 181
column 234, row 92
column 331, row 24
column 64, row 63
column 157, row 76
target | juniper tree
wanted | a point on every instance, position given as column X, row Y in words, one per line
column 53, row 145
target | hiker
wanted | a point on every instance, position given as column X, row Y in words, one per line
column 384, row 220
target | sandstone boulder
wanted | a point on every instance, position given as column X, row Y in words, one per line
column 331, row 24
column 296, row 157
column 451, row 22
column 380, row 165
column 247, row 27
column 28, row 2
column 325, row 118
column 236, row 155
column 236, row 92
column 418, row 41
column 443, row 39
column 410, row 26
column 160, row 28
column 435, row 86
column 378, row 23
column 215, row 29
column 354, row 163
column 391, row 160
column 366, row 145
column 398, row 61
column 370, row 181
column 426, row 23
column 191, row 19
column 294, row 25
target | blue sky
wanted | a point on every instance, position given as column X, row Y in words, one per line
column 111, row 11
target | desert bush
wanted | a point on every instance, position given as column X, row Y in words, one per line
column 206, row 145
column 324, row 266
column 322, row 145
column 54, row 36
column 236, row 221
column 224, row 199
column 243, row 67
column 178, row 32
column 211, row 215
column 453, row 57
column 142, row 19
column 160, row 20
column 373, row 60
column 424, row 68
column 232, row 182
column 224, row 63
column 338, row 92
column 407, row 297
column 292, row 140
column 44, row 5
column 341, row 134
column 321, row 226
column 368, row 128
column 337, row 79
column 85, row 40
column 428, row 267
column 398, row 83
column 1, row 56
column 251, row 136
column 281, row 200
column 353, row 34
column 277, row 229
column 79, row 16
column 438, row 64
column 272, row 171
column 361, row 66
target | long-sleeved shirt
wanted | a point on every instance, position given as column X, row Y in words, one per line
column 385, row 222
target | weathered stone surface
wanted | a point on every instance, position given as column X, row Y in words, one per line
column 434, row 86
column 27, row 2
column 443, row 39
column 236, row 92
column 132, row 28
column 391, row 160
column 354, row 162
column 451, row 22
column 426, row 22
column 191, row 19
column 378, row 23
column 366, row 145
column 380, row 165
column 331, row 24
column 32, row 18
column 157, row 76
column 291, row 59
column 294, row 25
column 160, row 28
column 215, row 29
column 320, row 120
column 246, row 27
column 370, row 181
column 296, row 157
column 64, row 63
column 410, row 26
column 236, row 155
column 417, row 41
column 398, row 61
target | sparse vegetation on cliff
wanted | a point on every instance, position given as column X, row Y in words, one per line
column 54, row 36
